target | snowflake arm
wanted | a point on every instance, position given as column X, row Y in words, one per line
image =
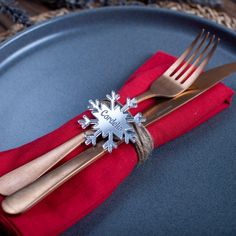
column 130, row 103
column 92, row 138
column 137, row 119
column 94, row 105
column 109, row 145
column 130, row 136
column 113, row 98
column 85, row 122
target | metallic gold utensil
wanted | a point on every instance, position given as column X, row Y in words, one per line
column 27, row 173
column 174, row 81
column 33, row 193
column 177, row 78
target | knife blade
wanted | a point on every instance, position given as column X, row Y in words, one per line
column 204, row 82
column 28, row 196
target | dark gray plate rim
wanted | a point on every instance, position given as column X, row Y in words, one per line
column 48, row 28
column 221, row 31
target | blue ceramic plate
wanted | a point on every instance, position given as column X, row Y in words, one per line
column 49, row 72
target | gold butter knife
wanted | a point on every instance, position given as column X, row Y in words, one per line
column 25, row 198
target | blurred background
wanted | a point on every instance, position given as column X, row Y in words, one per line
column 16, row 15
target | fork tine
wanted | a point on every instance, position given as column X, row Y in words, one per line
column 184, row 66
column 201, row 67
column 183, row 56
column 198, row 59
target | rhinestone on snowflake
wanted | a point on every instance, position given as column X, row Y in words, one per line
column 111, row 120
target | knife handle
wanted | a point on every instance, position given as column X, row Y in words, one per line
column 26, row 174
column 28, row 196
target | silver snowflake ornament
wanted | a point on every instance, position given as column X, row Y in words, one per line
column 111, row 120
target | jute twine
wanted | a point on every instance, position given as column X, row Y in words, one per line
column 144, row 143
column 216, row 15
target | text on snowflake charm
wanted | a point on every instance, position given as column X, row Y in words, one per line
column 111, row 120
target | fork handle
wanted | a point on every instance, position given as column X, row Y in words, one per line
column 28, row 173
column 144, row 96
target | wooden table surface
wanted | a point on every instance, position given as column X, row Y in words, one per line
column 32, row 8
column 37, row 11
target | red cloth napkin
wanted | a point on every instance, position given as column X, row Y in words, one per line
column 92, row 186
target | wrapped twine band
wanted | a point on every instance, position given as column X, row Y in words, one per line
column 144, row 143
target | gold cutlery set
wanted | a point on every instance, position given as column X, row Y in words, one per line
column 181, row 82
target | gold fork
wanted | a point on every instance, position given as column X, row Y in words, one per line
column 177, row 78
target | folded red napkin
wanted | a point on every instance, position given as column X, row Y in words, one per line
column 92, row 186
